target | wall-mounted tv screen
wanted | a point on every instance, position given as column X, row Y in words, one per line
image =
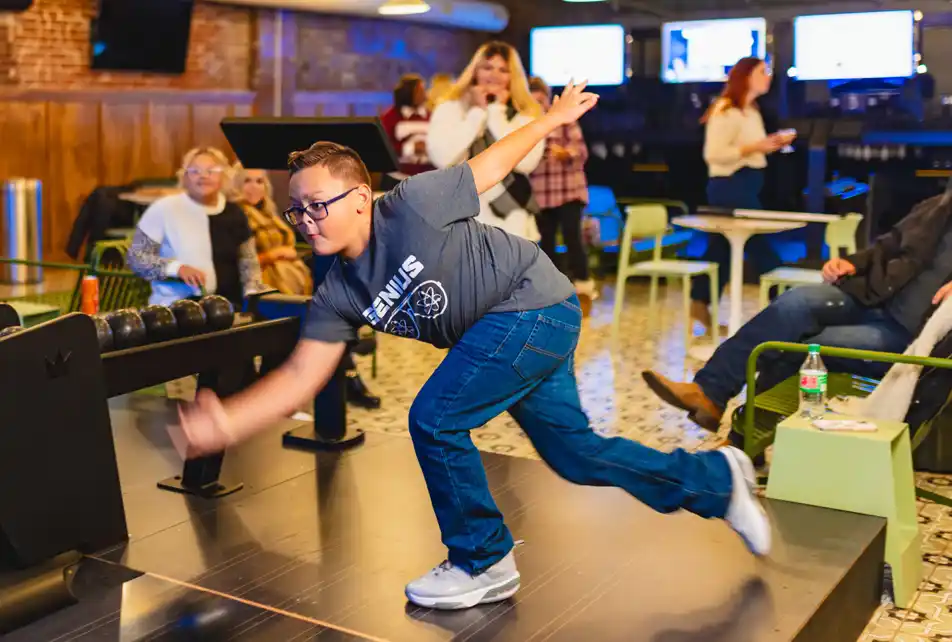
column 584, row 52
column 705, row 50
column 141, row 35
column 847, row 46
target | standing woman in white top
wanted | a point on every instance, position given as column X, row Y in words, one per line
column 490, row 99
column 736, row 146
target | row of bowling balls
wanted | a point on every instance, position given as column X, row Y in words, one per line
column 130, row 328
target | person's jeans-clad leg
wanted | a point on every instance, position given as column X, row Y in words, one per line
column 471, row 386
column 552, row 416
column 801, row 312
column 523, row 361
column 874, row 330
column 718, row 251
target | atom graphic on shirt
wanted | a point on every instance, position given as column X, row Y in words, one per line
column 404, row 329
column 426, row 301
column 429, row 300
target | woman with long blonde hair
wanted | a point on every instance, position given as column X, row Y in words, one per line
column 490, row 100
column 281, row 267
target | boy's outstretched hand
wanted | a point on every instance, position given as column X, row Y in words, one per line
column 572, row 104
column 203, row 427
column 495, row 163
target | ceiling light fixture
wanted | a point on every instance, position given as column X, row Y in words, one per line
column 403, row 7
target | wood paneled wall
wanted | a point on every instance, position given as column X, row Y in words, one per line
column 75, row 141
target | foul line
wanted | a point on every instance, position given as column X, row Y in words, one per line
column 258, row 605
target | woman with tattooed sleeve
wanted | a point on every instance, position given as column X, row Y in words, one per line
column 197, row 238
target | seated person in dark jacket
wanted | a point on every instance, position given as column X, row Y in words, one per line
column 876, row 299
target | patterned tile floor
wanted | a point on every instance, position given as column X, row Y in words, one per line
column 618, row 403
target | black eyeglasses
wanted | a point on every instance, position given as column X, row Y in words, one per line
column 316, row 211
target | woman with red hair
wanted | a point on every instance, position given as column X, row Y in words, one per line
column 736, row 146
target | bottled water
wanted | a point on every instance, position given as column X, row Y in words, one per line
column 813, row 384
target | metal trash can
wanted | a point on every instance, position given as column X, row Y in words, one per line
column 21, row 230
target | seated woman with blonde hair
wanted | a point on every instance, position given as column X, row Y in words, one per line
column 281, row 267
column 196, row 240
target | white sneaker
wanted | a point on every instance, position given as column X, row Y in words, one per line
column 449, row 587
column 745, row 513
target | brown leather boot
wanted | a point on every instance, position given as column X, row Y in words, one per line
column 686, row 396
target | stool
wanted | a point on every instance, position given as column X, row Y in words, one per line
column 859, row 472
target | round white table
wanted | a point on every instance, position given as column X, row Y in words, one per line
column 737, row 231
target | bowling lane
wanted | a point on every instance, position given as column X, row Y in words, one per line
column 117, row 605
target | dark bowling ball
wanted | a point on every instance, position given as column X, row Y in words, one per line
column 103, row 333
column 7, row 331
column 160, row 324
column 219, row 311
column 128, row 329
column 190, row 317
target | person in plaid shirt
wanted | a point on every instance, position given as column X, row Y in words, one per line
column 560, row 188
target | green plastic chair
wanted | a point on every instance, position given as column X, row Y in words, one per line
column 782, row 401
column 650, row 220
column 839, row 235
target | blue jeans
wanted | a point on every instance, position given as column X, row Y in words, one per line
column 740, row 190
column 523, row 362
column 821, row 314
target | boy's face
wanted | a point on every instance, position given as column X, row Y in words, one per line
column 339, row 223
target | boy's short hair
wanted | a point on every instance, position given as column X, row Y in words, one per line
column 537, row 84
column 342, row 162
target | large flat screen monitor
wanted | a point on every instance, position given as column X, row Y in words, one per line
column 848, row 46
column 584, row 52
column 705, row 50
column 141, row 35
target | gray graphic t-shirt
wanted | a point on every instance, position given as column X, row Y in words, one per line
column 431, row 271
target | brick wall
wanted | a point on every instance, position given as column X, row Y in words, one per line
column 48, row 47
column 340, row 53
column 6, row 50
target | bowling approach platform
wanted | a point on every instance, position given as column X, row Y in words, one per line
column 320, row 547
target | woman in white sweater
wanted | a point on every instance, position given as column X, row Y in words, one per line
column 736, row 146
column 490, row 99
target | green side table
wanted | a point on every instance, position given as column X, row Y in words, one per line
column 859, row 472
